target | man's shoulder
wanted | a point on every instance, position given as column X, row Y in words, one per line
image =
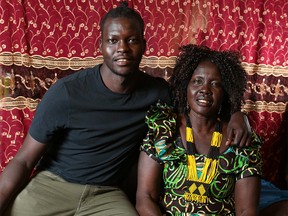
column 155, row 87
column 80, row 74
column 153, row 79
column 74, row 80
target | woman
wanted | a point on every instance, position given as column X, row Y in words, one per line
column 185, row 168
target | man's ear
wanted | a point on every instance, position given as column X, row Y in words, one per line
column 100, row 44
column 145, row 46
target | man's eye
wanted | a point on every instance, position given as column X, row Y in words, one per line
column 112, row 41
column 133, row 40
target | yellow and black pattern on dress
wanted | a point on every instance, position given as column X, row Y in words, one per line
column 234, row 164
column 199, row 187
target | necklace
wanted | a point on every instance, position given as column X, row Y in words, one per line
column 198, row 190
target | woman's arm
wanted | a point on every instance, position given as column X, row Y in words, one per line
column 247, row 192
column 148, row 186
column 239, row 130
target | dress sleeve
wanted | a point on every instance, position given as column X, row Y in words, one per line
column 161, row 121
column 249, row 159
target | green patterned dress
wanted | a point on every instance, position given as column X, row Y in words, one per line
column 164, row 145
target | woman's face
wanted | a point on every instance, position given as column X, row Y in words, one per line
column 204, row 91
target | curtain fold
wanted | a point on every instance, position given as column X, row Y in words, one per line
column 42, row 41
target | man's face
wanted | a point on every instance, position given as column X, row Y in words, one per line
column 122, row 46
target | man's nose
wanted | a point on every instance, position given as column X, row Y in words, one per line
column 122, row 46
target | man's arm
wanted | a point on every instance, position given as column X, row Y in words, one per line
column 286, row 156
column 239, row 130
column 19, row 169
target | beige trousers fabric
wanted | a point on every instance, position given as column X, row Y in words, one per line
column 48, row 194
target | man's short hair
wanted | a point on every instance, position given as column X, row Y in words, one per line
column 123, row 11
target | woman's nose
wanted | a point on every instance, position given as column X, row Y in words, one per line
column 205, row 89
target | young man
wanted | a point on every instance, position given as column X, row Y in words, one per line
column 87, row 131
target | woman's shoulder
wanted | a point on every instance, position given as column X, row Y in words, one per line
column 161, row 115
column 243, row 160
column 162, row 132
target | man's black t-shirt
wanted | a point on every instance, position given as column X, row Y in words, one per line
column 93, row 133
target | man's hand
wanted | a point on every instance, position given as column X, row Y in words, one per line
column 239, row 130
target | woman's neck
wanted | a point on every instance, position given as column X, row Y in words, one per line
column 203, row 129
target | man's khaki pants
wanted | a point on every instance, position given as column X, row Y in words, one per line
column 48, row 194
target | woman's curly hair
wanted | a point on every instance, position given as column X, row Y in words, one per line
column 233, row 77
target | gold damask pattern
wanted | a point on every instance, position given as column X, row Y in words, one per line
column 28, row 82
column 265, row 83
column 14, row 126
column 65, row 34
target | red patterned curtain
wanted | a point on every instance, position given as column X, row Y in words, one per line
column 42, row 41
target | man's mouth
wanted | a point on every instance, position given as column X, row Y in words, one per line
column 122, row 61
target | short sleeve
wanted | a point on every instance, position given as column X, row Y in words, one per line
column 51, row 114
column 161, row 121
column 244, row 162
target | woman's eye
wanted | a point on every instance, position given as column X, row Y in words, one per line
column 197, row 81
column 216, row 84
